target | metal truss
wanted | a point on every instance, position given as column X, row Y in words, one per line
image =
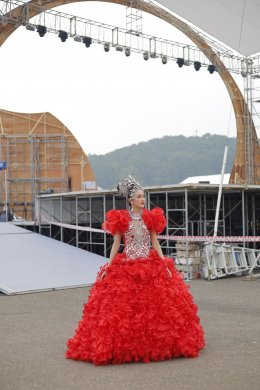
column 121, row 39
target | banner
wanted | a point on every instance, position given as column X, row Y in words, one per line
column 2, row 165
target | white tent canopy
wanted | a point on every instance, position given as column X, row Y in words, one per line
column 236, row 23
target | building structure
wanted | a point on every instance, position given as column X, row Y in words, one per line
column 42, row 156
column 189, row 208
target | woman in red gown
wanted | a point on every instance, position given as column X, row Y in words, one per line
column 139, row 308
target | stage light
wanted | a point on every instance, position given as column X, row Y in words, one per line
column 153, row 55
column 87, row 41
column 41, row 30
column 77, row 38
column 146, row 55
column 119, row 48
column 127, row 51
column 30, row 27
column 211, row 69
column 3, row 20
column 180, row 62
column 197, row 65
column 106, row 47
column 164, row 60
column 63, row 35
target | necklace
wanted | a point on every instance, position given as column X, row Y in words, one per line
column 136, row 216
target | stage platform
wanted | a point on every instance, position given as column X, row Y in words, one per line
column 31, row 262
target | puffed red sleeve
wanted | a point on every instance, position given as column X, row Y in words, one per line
column 158, row 219
column 117, row 221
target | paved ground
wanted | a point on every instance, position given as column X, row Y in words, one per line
column 35, row 327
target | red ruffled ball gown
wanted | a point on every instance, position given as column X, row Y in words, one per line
column 137, row 312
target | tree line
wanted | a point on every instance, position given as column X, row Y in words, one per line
column 167, row 160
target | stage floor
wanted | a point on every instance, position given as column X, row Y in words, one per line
column 32, row 262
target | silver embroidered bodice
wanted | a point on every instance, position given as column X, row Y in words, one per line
column 137, row 238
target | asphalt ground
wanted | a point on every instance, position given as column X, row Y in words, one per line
column 34, row 329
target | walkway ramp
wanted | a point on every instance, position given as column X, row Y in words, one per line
column 31, row 262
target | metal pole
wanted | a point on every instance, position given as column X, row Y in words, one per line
column 6, row 211
column 220, row 191
column 186, row 229
column 243, row 215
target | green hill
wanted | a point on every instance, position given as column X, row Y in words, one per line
column 167, row 160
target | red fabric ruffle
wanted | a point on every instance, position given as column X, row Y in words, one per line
column 137, row 312
column 117, row 221
column 154, row 219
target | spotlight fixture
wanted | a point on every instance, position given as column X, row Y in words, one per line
column 146, row 55
column 87, row 41
column 3, row 20
column 30, row 27
column 197, row 65
column 127, row 51
column 63, row 35
column 106, row 47
column 41, row 30
column 77, row 38
column 211, row 69
column 164, row 60
column 180, row 62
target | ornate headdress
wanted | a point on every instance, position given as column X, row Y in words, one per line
column 128, row 187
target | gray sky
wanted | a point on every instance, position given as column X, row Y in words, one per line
column 108, row 100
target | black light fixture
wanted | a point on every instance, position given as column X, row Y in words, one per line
column 197, row 65
column 146, row 55
column 41, row 30
column 180, row 62
column 127, row 51
column 77, row 38
column 63, row 35
column 106, row 47
column 164, row 60
column 30, row 27
column 87, row 41
column 211, row 69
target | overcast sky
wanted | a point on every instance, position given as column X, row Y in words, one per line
column 108, row 100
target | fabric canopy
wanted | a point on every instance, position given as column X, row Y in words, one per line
column 234, row 22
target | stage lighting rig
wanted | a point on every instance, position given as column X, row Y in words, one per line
column 197, row 65
column 63, row 35
column 211, row 69
column 87, row 41
column 77, row 38
column 180, row 62
column 127, row 51
column 107, row 47
column 146, row 55
column 30, row 27
column 3, row 20
column 41, row 30
column 164, row 60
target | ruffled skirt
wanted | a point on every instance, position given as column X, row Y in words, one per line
column 137, row 312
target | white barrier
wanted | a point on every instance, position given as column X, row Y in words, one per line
column 224, row 260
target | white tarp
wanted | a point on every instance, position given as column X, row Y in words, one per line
column 236, row 23
column 32, row 262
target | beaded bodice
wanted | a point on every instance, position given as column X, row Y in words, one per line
column 137, row 238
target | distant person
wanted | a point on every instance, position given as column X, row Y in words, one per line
column 139, row 308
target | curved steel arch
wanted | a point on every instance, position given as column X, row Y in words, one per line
column 239, row 170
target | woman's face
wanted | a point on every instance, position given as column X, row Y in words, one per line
column 138, row 202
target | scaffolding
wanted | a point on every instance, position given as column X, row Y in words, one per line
column 34, row 164
column 189, row 211
column 41, row 156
